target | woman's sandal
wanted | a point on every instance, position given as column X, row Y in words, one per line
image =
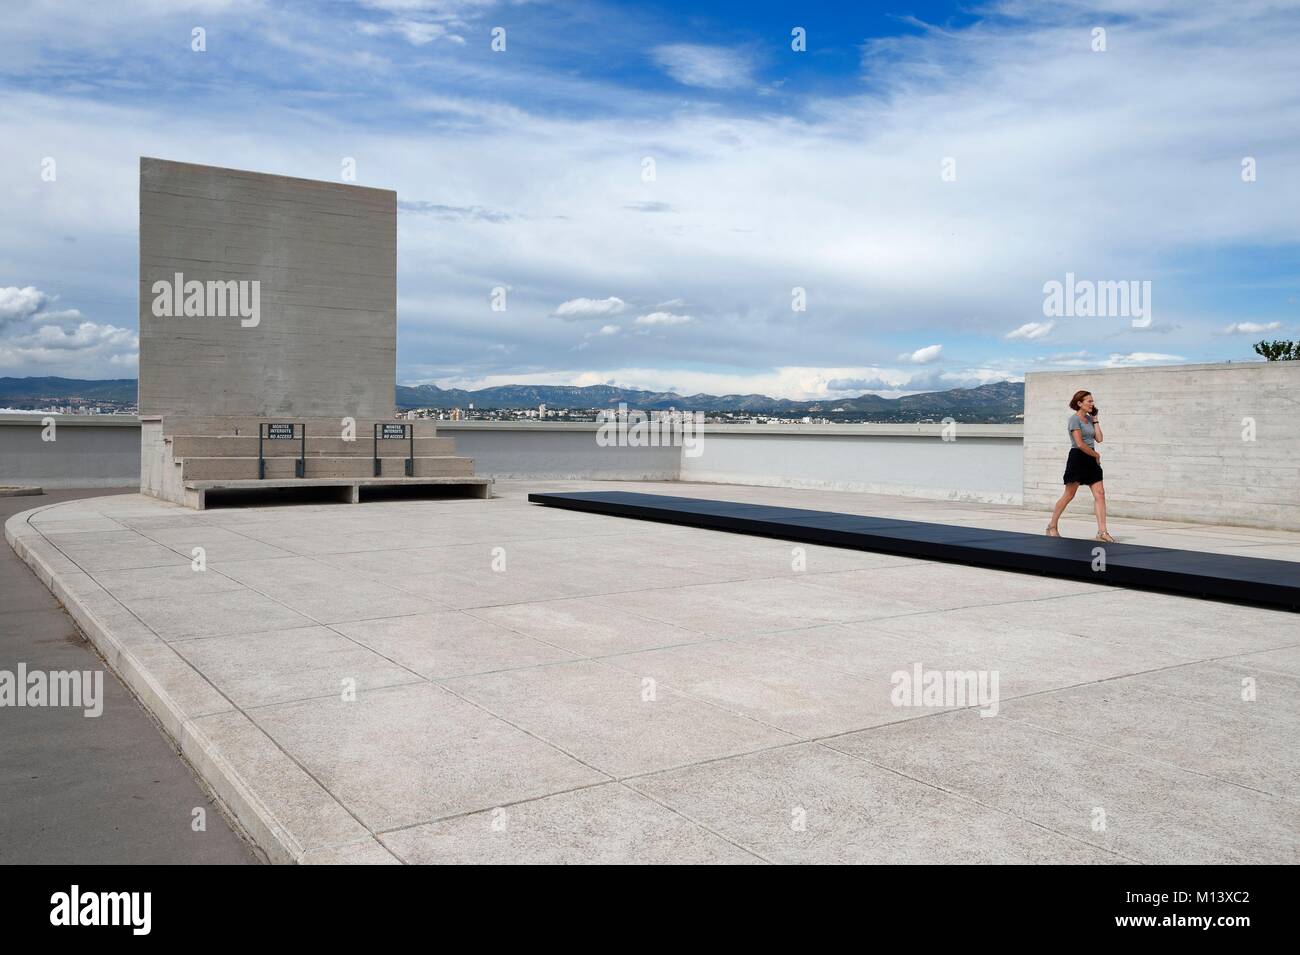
column 1052, row 531
column 1105, row 536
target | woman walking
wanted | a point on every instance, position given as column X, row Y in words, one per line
column 1083, row 466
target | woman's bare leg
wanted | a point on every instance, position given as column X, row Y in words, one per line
column 1066, row 497
column 1099, row 505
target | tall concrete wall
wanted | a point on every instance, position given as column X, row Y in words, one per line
column 325, row 255
column 1179, row 440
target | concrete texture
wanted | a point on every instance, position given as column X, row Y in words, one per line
column 87, row 451
column 1215, row 444
column 187, row 460
column 982, row 463
column 78, row 791
column 491, row 681
column 325, row 254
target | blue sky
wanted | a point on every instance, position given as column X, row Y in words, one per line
column 775, row 169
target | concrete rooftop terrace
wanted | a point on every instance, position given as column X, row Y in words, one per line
column 537, row 685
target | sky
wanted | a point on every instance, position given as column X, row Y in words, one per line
column 672, row 196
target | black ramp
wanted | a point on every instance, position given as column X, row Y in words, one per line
column 1274, row 583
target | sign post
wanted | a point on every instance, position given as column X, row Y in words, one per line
column 395, row 432
column 275, row 431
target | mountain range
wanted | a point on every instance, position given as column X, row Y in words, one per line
column 997, row 401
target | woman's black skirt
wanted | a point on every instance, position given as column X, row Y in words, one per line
column 1081, row 468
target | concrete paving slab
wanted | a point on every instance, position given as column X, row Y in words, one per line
column 280, row 666
column 94, row 557
column 612, row 719
column 450, row 643
column 808, row 804
column 588, row 626
column 367, row 852
column 1051, row 649
column 734, row 608
column 217, row 543
column 1143, row 810
column 1233, row 742
column 147, row 583
column 182, row 617
column 773, row 687
column 406, row 755
column 322, row 593
column 1283, row 660
column 296, row 813
column 599, row 825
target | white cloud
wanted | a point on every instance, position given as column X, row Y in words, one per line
column 1031, row 330
column 711, row 67
column 577, row 308
column 1140, row 358
column 18, row 303
column 36, row 340
column 923, row 356
column 663, row 318
column 839, row 193
column 1251, row 328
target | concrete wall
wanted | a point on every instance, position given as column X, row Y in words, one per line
column 981, row 463
column 1174, row 445
column 555, row 450
column 87, row 451
column 326, row 256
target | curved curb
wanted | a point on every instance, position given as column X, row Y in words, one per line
column 21, row 490
column 192, row 712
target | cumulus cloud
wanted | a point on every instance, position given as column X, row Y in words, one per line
column 580, row 308
column 711, row 67
column 37, row 340
column 20, row 303
column 923, row 356
column 1031, row 330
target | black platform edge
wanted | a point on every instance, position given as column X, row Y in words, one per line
column 1252, row 580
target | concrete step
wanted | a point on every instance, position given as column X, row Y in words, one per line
column 245, row 468
column 247, row 425
column 231, row 446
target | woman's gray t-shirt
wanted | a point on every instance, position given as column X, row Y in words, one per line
column 1085, row 427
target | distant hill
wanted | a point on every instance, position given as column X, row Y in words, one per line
column 999, row 401
column 61, row 389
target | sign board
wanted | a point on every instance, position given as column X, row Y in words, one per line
column 393, row 431
column 280, row 432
